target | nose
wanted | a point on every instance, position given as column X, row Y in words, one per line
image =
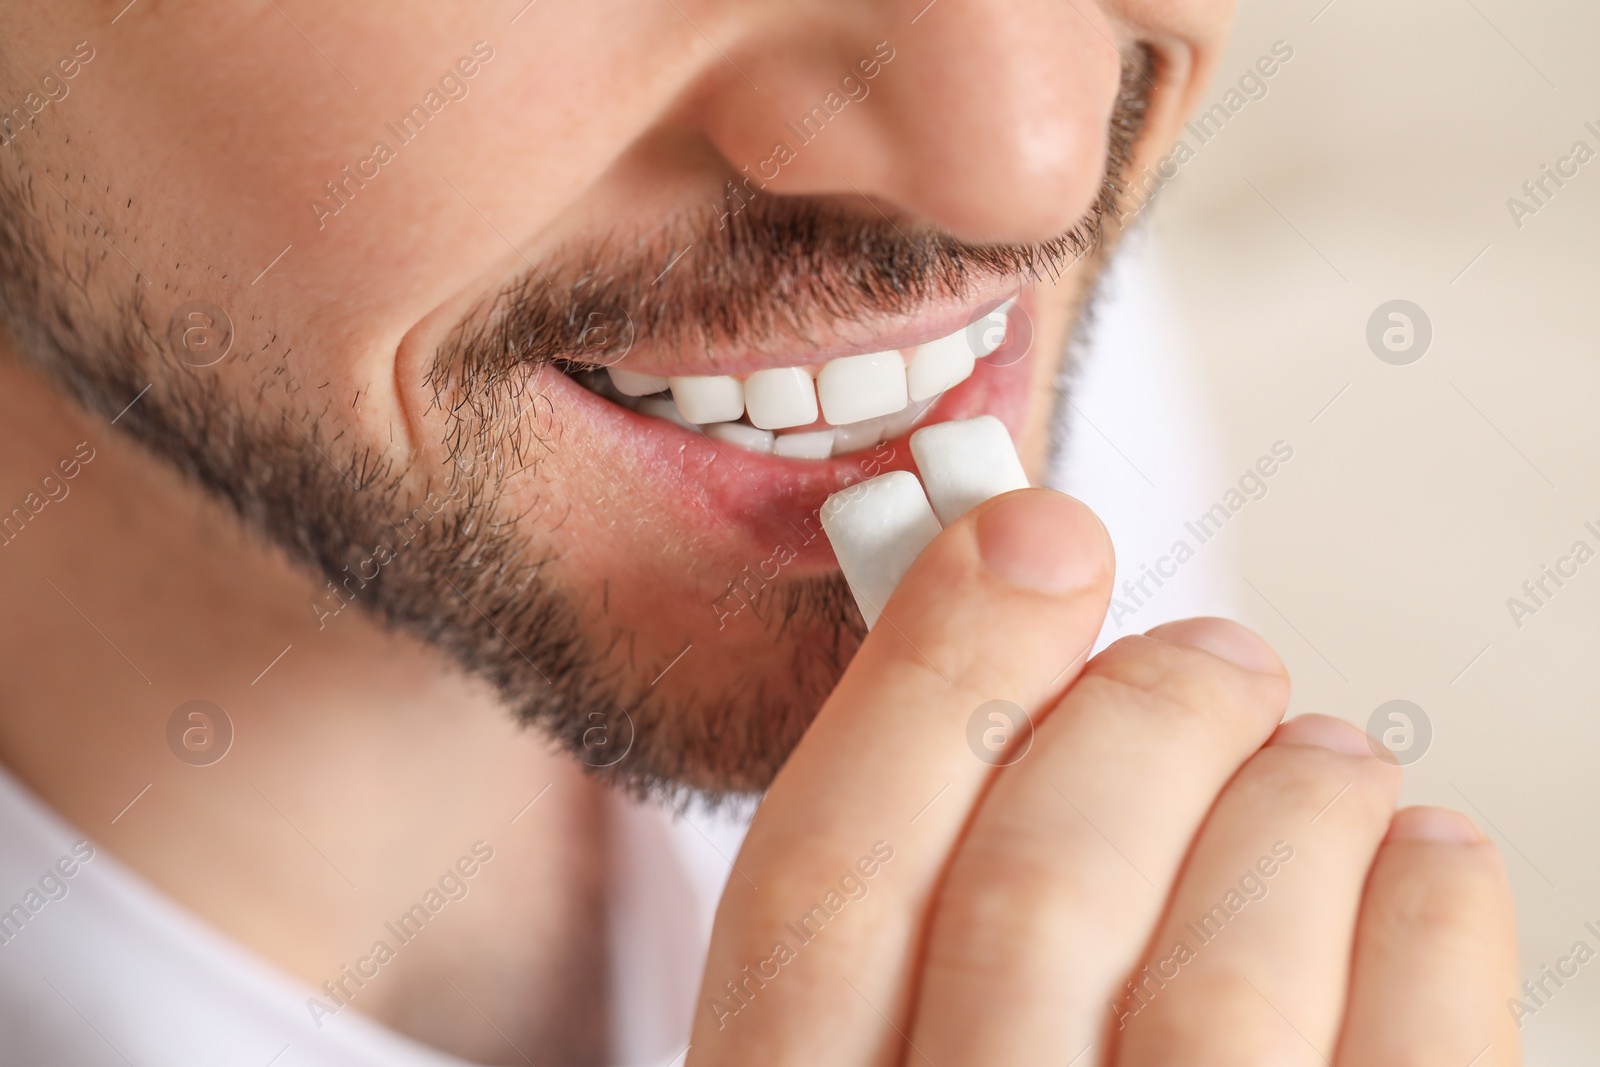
column 988, row 118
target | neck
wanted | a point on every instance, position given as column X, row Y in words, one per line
column 361, row 768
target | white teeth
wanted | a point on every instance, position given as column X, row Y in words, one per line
column 865, row 434
column 631, row 383
column 780, row 398
column 863, row 399
column 817, row 444
column 877, row 529
column 993, row 335
column 659, row 408
column 901, row 421
column 948, row 361
column 940, row 364
column 739, row 435
column 965, row 463
column 704, row 400
column 855, row 388
column 856, row 436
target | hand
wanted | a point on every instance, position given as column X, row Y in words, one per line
column 1165, row 875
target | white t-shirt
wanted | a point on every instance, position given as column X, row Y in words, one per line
column 101, row 968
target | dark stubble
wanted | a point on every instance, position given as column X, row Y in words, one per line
column 455, row 568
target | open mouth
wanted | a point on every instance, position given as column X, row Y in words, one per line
column 834, row 408
column 737, row 461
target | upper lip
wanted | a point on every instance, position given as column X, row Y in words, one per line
column 847, row 338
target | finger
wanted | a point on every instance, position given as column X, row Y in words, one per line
column 1253, row 959
column 1065, row 870
column 1003, row 604
column 1436, row 955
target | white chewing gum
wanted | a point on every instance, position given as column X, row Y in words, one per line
column 965, row 463
column 878, row 528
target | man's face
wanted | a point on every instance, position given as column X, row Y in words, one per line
column 362, row 254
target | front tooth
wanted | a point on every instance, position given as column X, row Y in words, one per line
column 817, row 444
column 856, row 388
column 940, row 364
column 660, row 408
column 965, row 463
column 877, row 529
column 739, row 435
column 780, row 398
column 856, row 436
column 632, row 383
column 704, row 400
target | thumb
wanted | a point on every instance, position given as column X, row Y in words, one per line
column 1004, row 604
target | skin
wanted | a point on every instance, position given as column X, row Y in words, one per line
column 181, row 164
column 1017, row 906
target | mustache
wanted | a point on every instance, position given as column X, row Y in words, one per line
column 770, row 274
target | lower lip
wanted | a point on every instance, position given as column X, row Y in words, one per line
column 712, row 486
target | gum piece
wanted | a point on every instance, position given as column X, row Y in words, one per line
column 965, row 463
column 877, row 529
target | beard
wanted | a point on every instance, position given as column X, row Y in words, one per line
column 444, row 553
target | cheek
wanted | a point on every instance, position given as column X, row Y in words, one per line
column 278, row 122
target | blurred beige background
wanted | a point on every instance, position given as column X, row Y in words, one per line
column 1421, row 497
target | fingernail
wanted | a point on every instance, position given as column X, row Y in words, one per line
column 1043, row 540
column 1323, row 731
column 1224, row 639
column 1434, row 824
